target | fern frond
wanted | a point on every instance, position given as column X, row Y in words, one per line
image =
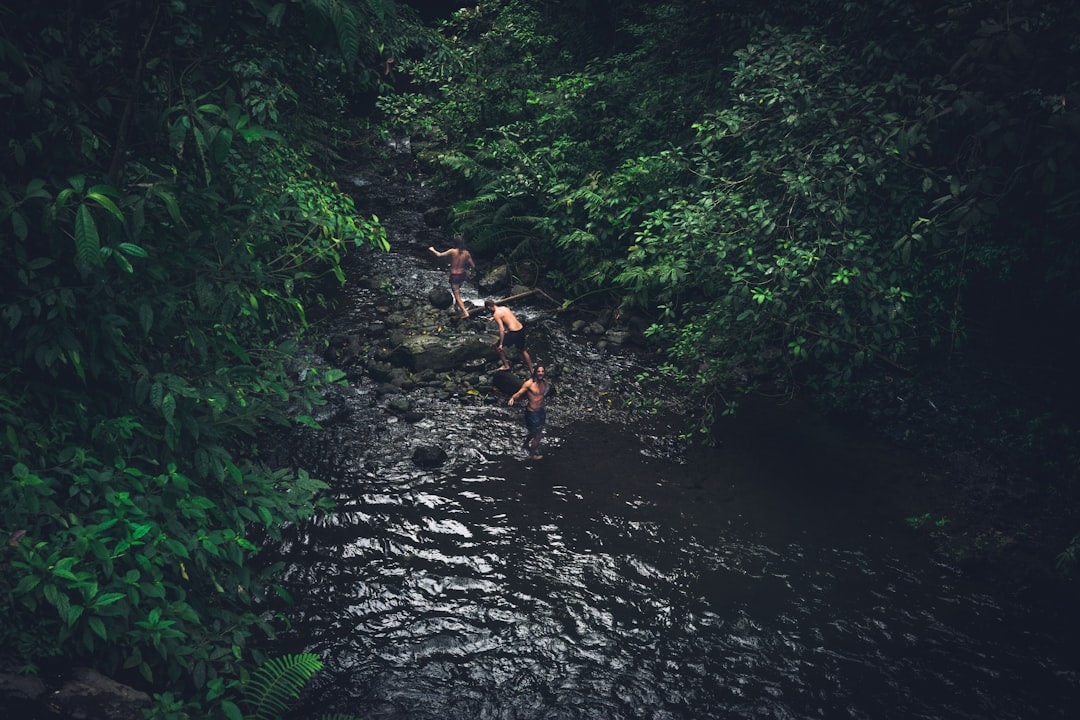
column 276, row 684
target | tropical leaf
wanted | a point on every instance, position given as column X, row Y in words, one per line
column 347, row 30
column 276, row 684
column 87, row 241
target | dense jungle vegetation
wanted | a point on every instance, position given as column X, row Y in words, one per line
column 823, row 195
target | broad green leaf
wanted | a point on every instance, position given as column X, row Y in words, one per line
column 106, row 203
column 168, row 407
column 87, row 243
column 98, row 627
column 146, row 322
column 74, row 612
column 170, row 204
column 132, row 250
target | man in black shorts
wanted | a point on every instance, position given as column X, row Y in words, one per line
column 511, row 333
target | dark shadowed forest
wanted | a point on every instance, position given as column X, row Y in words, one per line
column 869, row 205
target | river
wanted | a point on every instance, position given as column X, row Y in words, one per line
column 771, row 575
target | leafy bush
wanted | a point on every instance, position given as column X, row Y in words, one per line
column 167, row 238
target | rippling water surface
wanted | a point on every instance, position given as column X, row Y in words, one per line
column 769, row 577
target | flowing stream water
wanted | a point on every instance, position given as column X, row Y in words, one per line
column 626, row 576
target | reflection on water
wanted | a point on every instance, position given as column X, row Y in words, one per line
column 612, row 585
column 769, row 577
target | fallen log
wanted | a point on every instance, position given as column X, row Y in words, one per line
column 509, row 298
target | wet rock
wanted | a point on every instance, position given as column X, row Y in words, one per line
column 505, row 381
column 436, row 216
column 399, row 405
column 89, row 694
column 380, row 371
column 399, row 377
column 335, row 410
column 428, row 352
column 19, row 688
column 440, row 297
column 385, row 388
column 495, row 279
column 428, row 456
column 617, row 337
column 342, row 349
column 637, row 326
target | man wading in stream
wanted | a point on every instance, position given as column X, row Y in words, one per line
column 536, row 390
column 511, row 334
column 461, row 263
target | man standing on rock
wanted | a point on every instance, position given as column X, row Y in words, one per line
column 536, row 390
column 511, row 333
column 460, row 263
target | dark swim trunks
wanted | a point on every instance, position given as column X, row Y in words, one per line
column 456, row 278
column 514, row 338
column 534, row 421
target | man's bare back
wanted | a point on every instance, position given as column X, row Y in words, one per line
column 506, row 318
column 460, row 260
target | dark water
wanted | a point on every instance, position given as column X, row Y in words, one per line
column 772, row 576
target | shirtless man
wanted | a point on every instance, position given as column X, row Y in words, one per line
column 511, row 333
column 536, row 390
column 460, row 263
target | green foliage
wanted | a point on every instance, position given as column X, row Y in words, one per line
column 797, row 192
column 274, row 686
column 167, row 240
column 1067, row 558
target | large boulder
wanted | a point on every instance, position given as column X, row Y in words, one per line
column 497, row 278
column 506, row 382
column 89, row 694
column 428, row 456
column 432, row 352
column 440, row 297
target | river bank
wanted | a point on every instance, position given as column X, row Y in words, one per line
column 1000, row 486
column 629, row 574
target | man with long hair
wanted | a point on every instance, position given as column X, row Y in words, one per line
column 536, row 390
column 461, row 263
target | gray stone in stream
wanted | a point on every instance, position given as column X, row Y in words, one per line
column 430, row 352
column 440, row 297
column 496, row 278
column 89, row 694
column 398, row 405
column 506, row 381
column 380, row 371
column 617, row 337
column 335, row 410
column 428, row 456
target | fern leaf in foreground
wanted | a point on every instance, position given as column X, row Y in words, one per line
column 276, row 684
